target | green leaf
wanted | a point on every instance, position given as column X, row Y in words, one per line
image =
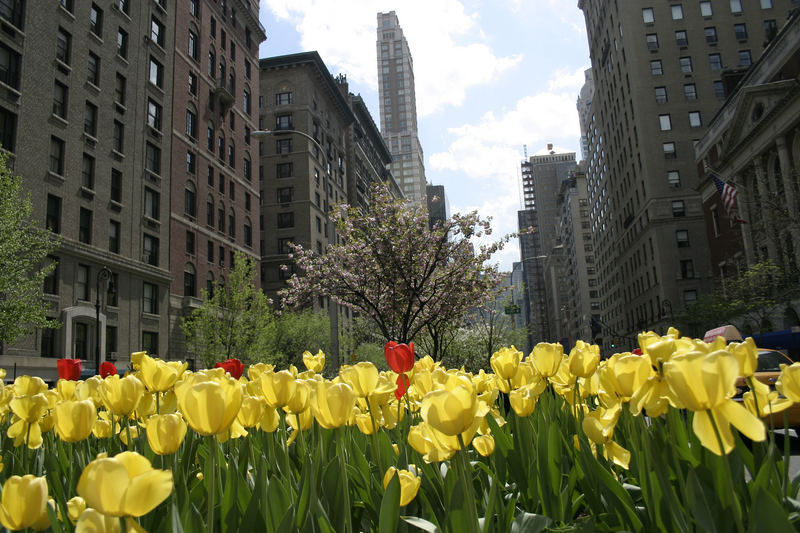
column 767, row 516
column 304, row 498
column 529, row 523
column 390, row 507
column 700, row 503
column 421, row 523
column 279, row 506
column 176, row 525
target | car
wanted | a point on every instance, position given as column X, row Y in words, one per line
column 767, row 372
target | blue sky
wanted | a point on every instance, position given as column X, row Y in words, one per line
column 491, row 76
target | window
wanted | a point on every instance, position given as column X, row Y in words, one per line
column 669, row 150
column 665, row 122
column 283, row 122
column 766, row 4
column 744, row 58
column 715, row 221
column 678, row 208
column 150, row 342
column 116, row 185
column 680, row 38
column 56, row 156
column 212, row 63
column 674, row 178
column 190, row 200
column 652, row 41
column 12, row 11
column 719, row 89
column 736, row 6
column 90, row 119
column 151, row 201
column 690, row 91
column 247, row 69
column 189, row 280
column 715, row 60
column 286, row 220
column 93, row 70
column 711, row 35
column 87, row 172
column 190, row 242
column 647, row 15
column 191, row 166
column 661, row 95
column 149, row 305
column 682, row 238
column 689, row 297
column 153, row 114
column 156, row 74
column 153, row 158
column 96, row 20
column 694, row 119
column 247, row 169
column 191, row 124
column 124, row 5
column 221, row 257
column 686, row 65
column 221, row 148
column 113, row 236
column 194, row 46
column 247, row 201
column 656, row 68
column 247, row 100
column 741, row 31
column 231, row 156
column 60, row 100
column 283, row 146
column 248, row 234
column 193, row 83
column 150, row 249
column 119, row 137
column 63, row 46
column 53, row 219
column 705, row 9
column 82, row 283
column 232, row 225
column 119, row 89
column 221, row 218
column 51, row 280
column 285, row 170
column 770, row 29
column 210, row 212
column 285, row 195
column 677, row 11
column 122, row 43
column 193, row 7
column 85, row 226
column 210, row 251
column 157, row 31
column 283, row 98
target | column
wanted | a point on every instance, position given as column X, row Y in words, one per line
column 787, row 175
column 769, row 213
column 744, row 212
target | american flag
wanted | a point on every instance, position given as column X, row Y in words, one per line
column 729, row 195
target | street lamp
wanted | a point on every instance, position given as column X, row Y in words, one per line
column 333, row 313
column 103, row 275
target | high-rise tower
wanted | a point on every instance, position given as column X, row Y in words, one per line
column 398, row 106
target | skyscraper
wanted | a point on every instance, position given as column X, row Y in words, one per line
column 398, row 105
column 660, row 73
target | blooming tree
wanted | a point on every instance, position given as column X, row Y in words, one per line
column 390, row 266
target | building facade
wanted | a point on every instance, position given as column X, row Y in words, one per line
column 105, row 88
column 438, row 205
column 398, row 106
column 658, row 74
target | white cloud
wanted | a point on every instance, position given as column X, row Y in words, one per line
column 345, row 34
column 564, row 79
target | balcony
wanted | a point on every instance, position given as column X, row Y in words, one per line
column 223, row 93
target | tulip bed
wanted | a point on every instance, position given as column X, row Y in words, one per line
column 552, row 441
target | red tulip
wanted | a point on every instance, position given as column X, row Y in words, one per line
column 69, row 369
column 402, row 386
column 234, row 367
column 107, row 368
column 399, row 356
column 637, row 351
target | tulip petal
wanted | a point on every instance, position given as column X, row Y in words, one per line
column 146, row 491
column 102, row 484
column 742, row 419
column 704, row 429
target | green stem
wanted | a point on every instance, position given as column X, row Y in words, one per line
column 737, row 510
column 212, row 483
column 348, row 525
column 466, row 476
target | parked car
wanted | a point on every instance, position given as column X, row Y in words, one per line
column 767, row 372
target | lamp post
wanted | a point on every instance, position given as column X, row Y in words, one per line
column 103, row 275
column 333, row 314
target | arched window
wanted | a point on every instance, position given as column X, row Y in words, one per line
column 248, row 233
column 212, row 62
column 221, row 217
column 247, row 168
column 232, row 223
column 232, row 81
column 221, row 78
column 189, row 280
column 190, row 200
column 221, row 147
column 231, row 155
column 210, row 211
column 210, row 285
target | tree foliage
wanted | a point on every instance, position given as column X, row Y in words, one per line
column 292, row 333
column 234, row 321
column 392, row 268
column 23, row 250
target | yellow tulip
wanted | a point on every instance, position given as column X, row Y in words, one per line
column 131, row 430
column 102, row 428
column 121, row 395
column 270, row 418
column 315, row 363
column 65, row 389
column 299, row 422
column 23, row 501
column 28, row 412
column 484, row 445
column 124, row 485
column 746, row 355
column 365, row 423
column 583, row 359
column 546, row 357
column 300, row 399
column 622, row 375
column 363, row 377
column 75, row 507
column 158, row 375
column 523, row 400
column 332, row 403
column 653, row 396
column 452, row 411
column 209, row 405
column 29, row 386
column 788, row 382
column 599, row 428
column 43, row 522
column 278, row 387
column 74, row 420
column 762, row 401
column 505, row 362
column 165, row 433
column 136, row 359
column 409, row 483
column 254, row 372
column 251, row 411
column 704, row 383
column 89, row 390
column 91, row 521
column 434, row 445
